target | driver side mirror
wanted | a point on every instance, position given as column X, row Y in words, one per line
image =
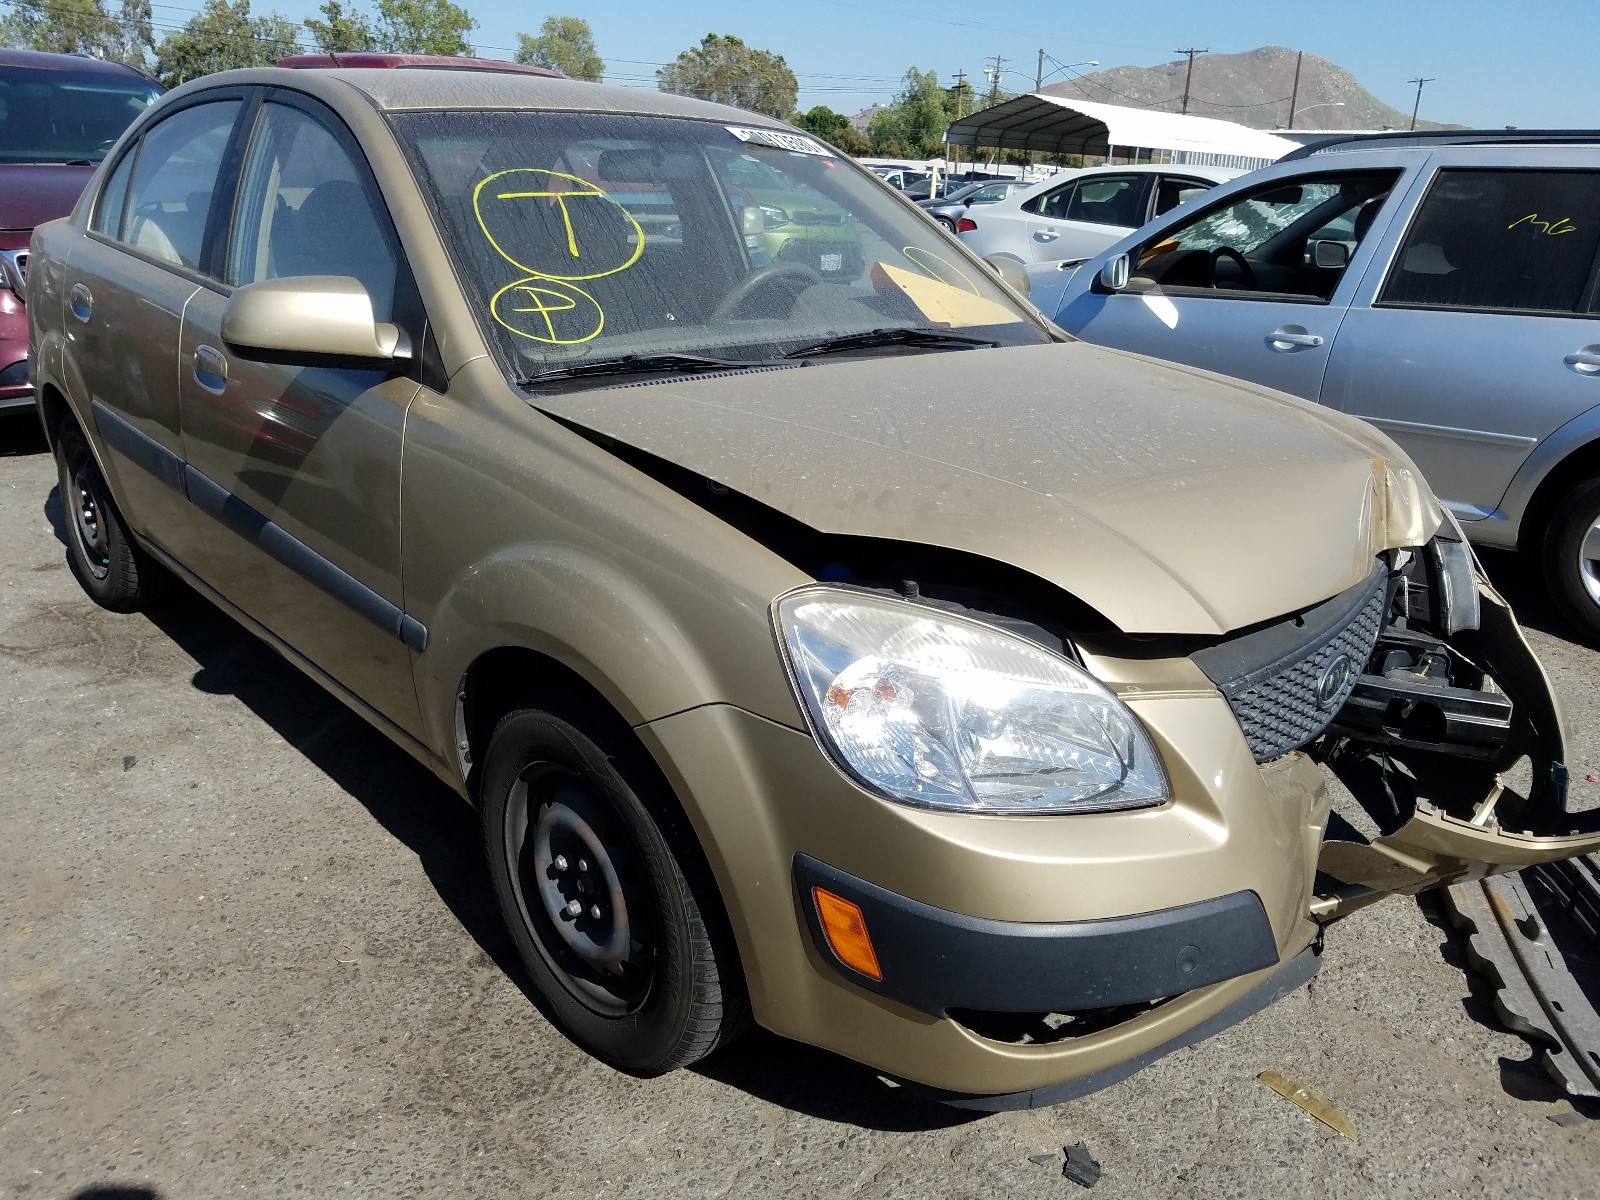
column 1330, row 255
column 310, row 317
column 1113, row 276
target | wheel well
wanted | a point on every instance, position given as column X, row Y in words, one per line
column 500, row 681
column 55, row 409
column 1583, row 463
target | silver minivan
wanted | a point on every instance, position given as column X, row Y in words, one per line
column 1444, row 288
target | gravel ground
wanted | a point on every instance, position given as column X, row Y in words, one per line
column 245, row 951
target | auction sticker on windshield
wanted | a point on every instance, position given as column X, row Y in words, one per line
column 780, row 140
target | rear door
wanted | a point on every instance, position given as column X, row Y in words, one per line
column 1476, row 333
column 1084, row 218
column 1233, row 288
column 295, row 467
column 128, row 283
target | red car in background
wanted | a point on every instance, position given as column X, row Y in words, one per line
column 59, row 116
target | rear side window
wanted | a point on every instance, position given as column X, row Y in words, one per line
column 1172, row 192
column 1507, row 241
column 170, row 194
column 1052, row 204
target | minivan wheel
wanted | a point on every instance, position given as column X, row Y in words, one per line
column 606, row 894
column 1572, row 558
column 102, row 555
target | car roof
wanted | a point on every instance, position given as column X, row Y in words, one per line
column 41, row 61
column 432, row 89
column 1435, row 139
column 366, row 58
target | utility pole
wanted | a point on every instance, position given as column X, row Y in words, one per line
column 1189, row 76
column 961, row 91
column 997, row 67
column 1417, row 107
column 1038, row 76
column 1294, row 92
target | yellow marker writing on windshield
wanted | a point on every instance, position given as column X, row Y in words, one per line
column 556, row 312
column 500, row 202
column 923, row 260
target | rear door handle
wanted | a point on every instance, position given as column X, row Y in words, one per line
column 81, row 300
column 211, row 370
column 1046, row 235
column 1286, row 336
column 1586, row 361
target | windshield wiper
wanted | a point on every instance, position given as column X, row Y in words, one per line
column 640, row 364
column 895, row 336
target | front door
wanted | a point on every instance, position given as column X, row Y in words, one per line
column 298, row 466
column 1482, row 337
column 1238, row 288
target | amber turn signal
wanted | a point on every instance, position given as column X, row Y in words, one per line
column 846, row 931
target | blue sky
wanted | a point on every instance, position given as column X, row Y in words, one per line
column 1494, row 64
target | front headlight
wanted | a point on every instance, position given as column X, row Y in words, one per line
column 940, row 711
column 773, row 218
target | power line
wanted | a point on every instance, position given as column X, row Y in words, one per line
column 1189, row 76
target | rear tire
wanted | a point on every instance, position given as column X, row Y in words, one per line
column 606, row 893
column 1572, row 570
column 947, row 223
column 115, row 572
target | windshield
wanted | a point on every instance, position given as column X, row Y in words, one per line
column 591, row 237
column 54, row 116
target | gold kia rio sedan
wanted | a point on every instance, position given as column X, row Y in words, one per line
column 824, row 638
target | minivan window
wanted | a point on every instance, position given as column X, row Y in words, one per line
column 49, row 115
column 173, row 180
column 305, row 208
column 1505, row 240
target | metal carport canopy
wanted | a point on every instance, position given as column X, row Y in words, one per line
column 1055, row 125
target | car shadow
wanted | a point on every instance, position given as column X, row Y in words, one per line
column 21, row 435
column 442, row 831
column 1520, row 579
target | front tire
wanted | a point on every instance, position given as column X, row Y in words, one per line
column 100, row 551
column 1572, row 559
column 605, row 892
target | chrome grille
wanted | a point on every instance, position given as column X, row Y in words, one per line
column 1277, row 701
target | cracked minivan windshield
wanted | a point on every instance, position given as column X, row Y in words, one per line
column 589, row 242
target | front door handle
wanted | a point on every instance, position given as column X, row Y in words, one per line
column 1046, row 235
column 81, row 300
column 211, row 370
column 1292, row 337
column 1585, row 361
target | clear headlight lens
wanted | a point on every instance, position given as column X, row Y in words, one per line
column 940, row 711
column 773, row 218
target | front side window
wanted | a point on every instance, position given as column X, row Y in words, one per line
column 1110, row 200
column 50, row 115
column 1265, row 241
column 306, row 207
column 589, row 237
column 113, row 198
column 990, row 193
column 1172, row 192
column 1509, row 241
column 169, row 196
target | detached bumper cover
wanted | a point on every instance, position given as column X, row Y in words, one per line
column 934, row 960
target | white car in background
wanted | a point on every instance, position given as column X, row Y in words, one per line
column 1076, row 214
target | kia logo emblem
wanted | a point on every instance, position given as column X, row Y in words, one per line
column 1336, row 677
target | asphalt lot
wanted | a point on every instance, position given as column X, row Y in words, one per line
column 244, row 951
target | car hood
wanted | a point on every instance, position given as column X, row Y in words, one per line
column 1169, row 499
column 33, row 193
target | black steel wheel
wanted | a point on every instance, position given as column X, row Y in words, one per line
column 1572, row 558
column 606, row 893
column 102, row 555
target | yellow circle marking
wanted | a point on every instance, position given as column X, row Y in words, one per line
column 510, row 190
column 538, row 301
column 916, row 254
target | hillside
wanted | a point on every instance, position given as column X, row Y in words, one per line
column 1252, row 88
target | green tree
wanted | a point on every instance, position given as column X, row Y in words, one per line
column 914, row 124
column 722, row 68
column 834, row 128
column 424, row 27
column 59, row 26
column 222, row 36
column 133, row 36
column 341, row 29
column 564, row 44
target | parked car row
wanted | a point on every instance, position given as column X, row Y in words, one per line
column 1445, row 289
column 823, row 637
